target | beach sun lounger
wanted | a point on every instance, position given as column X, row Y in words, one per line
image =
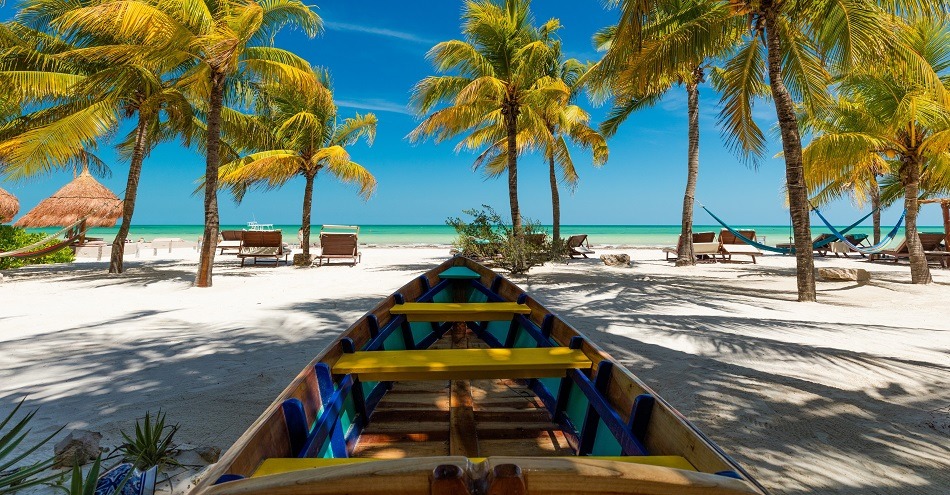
column 730, row 245
column 933, row 249
column 263, row 244
column 577, row 245
column 338, row 242
column 230, row 241
column 705, row 247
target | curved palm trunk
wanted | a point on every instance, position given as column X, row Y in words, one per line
column 910, row 175
column 792, row 148
column 131, row 190
column 511, row 127
column 307, row 207
column 686, row 257
column 876, row 206
column 209, row 241
column 556, row 207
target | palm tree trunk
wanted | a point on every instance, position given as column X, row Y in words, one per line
column 511, row 126
column 131, row 190
column 910, row 176
column 209, row 241
column 792, row 148
column 685, row 257
column 556, row 207
column 307, row 206
column 876, row 205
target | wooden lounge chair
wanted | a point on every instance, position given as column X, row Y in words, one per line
column 338, row 245
column 730, row 245
column 841, row 248
column 705, row 247
column 230, row 241
column 931, row 242
column 577, row 245
column 263, row 244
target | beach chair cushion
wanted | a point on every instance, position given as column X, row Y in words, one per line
column 705, row 248
column 461, row 364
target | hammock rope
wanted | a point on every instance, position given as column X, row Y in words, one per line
column 838, row 235
column 74, row 230
column 875, row 249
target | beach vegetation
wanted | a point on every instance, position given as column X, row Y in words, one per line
column 151, row 445
column 675, row 46
column 496, row 75
column 13, row 450
column 12, row 238
column 297, row 132
column 884, row 120
column 80, row 485
column 488, row 238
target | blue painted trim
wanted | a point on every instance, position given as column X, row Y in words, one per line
column 629, row 445
column 376, row 395
column 640, row 415
column 429, row 293
column 491, row 295
column 373, row 323
column 512, row 334
column 550, row 402
column 547, row 326
column 564, row 390
column 523, row 298
column 730, row 474
column 297, row 426
column 484, row 335
column 428, row 340
column 224, row 478
column 384, row 333
column 325, row 384
column 425, row 283
column 592, row 418
column 534, row 331
column 359, row 401
column 328, row 421
column 496, row 283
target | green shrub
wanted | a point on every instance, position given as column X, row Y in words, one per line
column 14, row 238
column 13, row 477
column 489, row 239
column 152, row 444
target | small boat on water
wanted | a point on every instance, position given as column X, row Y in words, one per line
column 264, row 227
column 461, row 383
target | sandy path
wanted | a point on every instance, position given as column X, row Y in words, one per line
column 846, row 396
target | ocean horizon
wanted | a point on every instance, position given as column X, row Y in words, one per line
column 444, row 235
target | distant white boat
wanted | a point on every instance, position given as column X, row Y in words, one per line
column 259, row 226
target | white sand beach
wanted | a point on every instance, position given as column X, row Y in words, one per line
column 846, row 396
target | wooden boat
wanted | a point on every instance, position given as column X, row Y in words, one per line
column 460, row 383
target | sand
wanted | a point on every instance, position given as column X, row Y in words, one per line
column 849, row 395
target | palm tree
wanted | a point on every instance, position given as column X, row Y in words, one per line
column 78, row 102
column 885, row 113
column 223, row 47
column 498, row 77
column 795, row 44
column 642, row 62
column 307, row 137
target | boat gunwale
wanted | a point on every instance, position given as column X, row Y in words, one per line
column 561, row 333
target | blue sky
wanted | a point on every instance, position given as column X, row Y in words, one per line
column 375, row 50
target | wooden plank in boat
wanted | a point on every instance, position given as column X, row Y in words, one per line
column 490, row 311
column 455, row 364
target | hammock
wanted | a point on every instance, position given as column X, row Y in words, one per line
column 773, row 249
column 877, row 248
column 73, row 232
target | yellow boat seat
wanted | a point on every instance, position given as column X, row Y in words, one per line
column 461, row 364
column 286, row 465
column 486, row 311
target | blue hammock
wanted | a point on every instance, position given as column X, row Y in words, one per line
column 773, row 249
column 877, row 248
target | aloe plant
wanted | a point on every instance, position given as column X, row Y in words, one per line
column 152, row 444
column 13, row 477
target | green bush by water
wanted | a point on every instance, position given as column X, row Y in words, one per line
column 14, row 238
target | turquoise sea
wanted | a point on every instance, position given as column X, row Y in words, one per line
column 408, row 235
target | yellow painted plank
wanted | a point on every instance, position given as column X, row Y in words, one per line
column 285, row 465
column 488, row 311
column 461, row 364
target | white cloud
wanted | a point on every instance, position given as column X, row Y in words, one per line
column 375, row 104
column 389, row 33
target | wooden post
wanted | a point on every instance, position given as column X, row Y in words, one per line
column 945, row 204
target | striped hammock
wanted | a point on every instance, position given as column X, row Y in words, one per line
column 877, row 248
column 73, row 232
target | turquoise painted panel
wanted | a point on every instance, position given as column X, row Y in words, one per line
column 325, row 451
column 499, row 330
column 444, row 296
column 552, row 384
column 395, row 342
column 477, row 297
column 420, row 330
column 576, row 408
column 524, row 339
column 459, row 273
column 368, row 388
column 349, row 413
column 604, row 442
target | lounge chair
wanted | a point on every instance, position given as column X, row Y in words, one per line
column 931, row 242
column 577, row 245
column 730, row 245
column 263, row 244
column 705, row 247
column 841, row 248
column 338, row 245
column 230, row 241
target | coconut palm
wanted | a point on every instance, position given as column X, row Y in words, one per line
column 885, row 113
column 498, row 76
column 641, row 63
column 306, row 136
column 223, row 47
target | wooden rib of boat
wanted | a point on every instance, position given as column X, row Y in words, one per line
column 461, row 383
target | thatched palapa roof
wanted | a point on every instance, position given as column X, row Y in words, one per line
column 82, row 197
column 9, row 206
